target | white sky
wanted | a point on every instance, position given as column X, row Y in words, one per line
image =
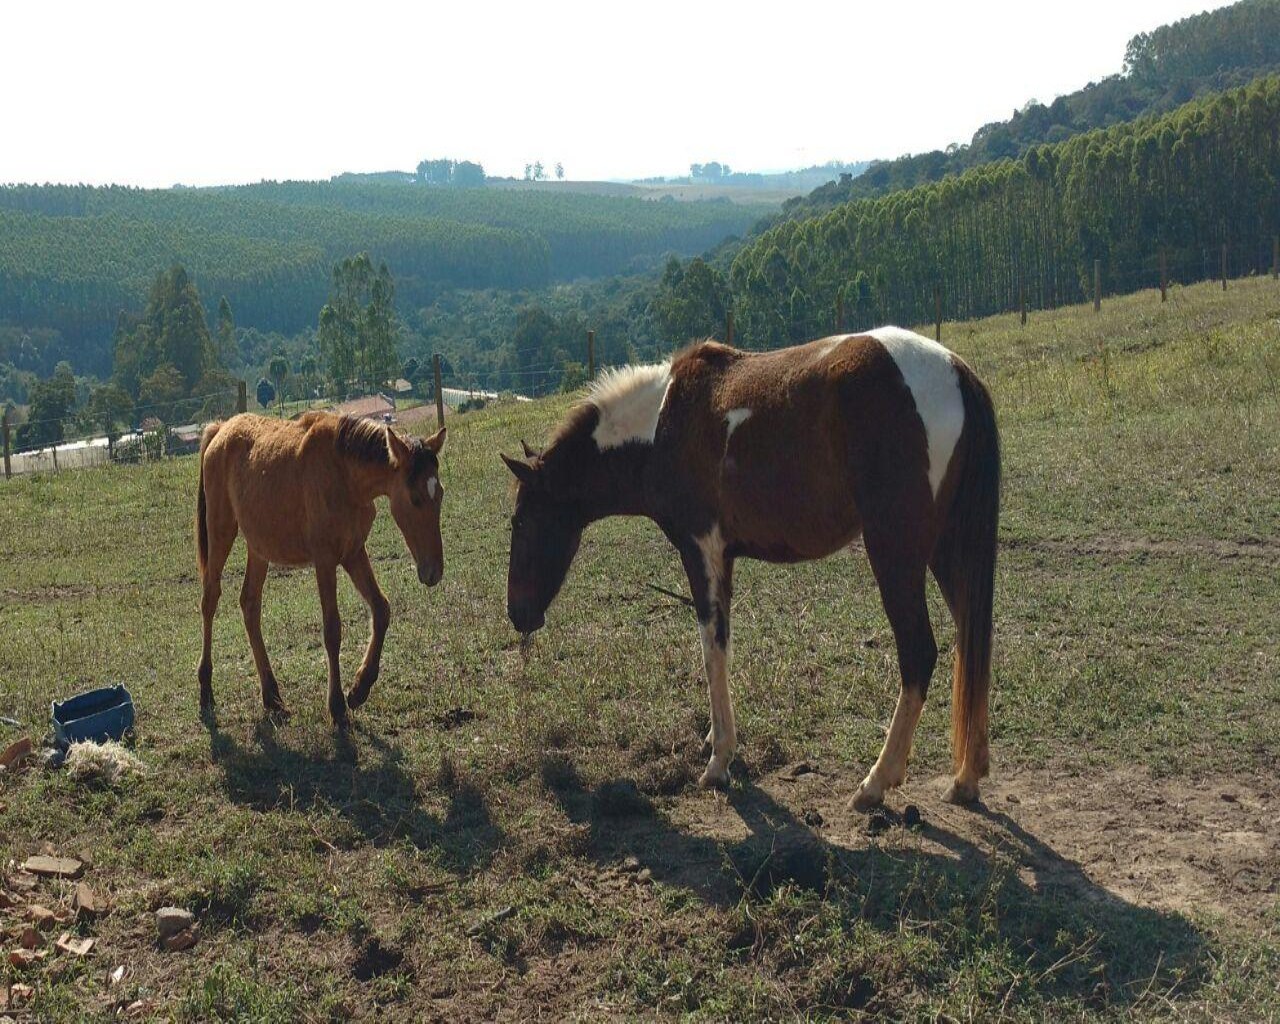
column 204, row 93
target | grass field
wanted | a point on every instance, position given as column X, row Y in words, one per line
column 544, row 853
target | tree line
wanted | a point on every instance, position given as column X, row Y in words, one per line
column 1163, row 69
column 1204, row 175
column 72, row 256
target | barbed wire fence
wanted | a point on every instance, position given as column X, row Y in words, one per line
column 161, row 430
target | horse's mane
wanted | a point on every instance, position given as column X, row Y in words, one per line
column 363, row 439
column 609, row 394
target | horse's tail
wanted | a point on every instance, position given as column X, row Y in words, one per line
column 202, row 516
column 965, row 565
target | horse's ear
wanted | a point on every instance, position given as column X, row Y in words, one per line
column 398, row 450
column 524, row 472
column 530, row 453
column 436, row 441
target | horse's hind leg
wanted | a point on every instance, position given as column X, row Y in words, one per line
column 361, row 573
column 221, row 534
column 900, row 573
column 327, row 582
column 255, row 578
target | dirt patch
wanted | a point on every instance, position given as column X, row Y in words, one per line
column 1124, row 547
column 1208, row 845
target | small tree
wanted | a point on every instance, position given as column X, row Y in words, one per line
column 110, row 408
column 266, row 393
column 559, row 171
column 574, row 376
column 278, row 367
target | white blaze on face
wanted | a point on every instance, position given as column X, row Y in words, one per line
column 935, row 386
column 432, row 484
column 629, row 401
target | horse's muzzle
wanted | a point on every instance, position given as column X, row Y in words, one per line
column 525, row 619
column 430, row 574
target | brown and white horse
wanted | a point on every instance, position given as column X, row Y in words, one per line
column 788, row 456
column 302, row 492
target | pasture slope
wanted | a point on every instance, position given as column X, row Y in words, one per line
column 1125, row 862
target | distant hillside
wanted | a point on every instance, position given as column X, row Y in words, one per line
column 1203, row 176
column 1162, row 69
column 72, row 257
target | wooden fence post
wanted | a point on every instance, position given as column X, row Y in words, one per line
column 591, row 355
column 1097, row 286
column 8, row 470
column 728, row 327
column 435, row 366
column 242, row 396
column 1022, row 299
column 840, row 313
column 1224, row 266
column 1164, row 274
column 937, row 312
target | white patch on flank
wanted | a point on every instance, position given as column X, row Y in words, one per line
column 630, row 401
column 935, row 386
column 733, row 419
column 432, row 484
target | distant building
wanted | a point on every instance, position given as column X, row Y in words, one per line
column 372, row 407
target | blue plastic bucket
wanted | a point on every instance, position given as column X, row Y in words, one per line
column 105, row 714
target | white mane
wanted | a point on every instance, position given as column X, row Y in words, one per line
column 629, row 401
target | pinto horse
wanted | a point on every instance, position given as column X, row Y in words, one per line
column 788, row 456
column 302, row 492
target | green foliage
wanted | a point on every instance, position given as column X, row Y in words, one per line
column 359, row 330
column 72, row 256
column 458, row 173
column 110, row 410
column 690, row 302
column 574, row 377
column 171, row 335
column 1206, row 174
column 266, row 392
column 52, row 401
column 1205, row 53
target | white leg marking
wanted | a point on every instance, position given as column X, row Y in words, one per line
column 935, row 386
column 890, row 768
column 724, row 733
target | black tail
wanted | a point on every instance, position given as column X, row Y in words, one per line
column 202, row 519
column 965, row 565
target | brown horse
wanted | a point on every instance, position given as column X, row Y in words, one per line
column 788, row 456
column 302, row 491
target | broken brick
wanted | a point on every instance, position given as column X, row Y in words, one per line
column 54, row 867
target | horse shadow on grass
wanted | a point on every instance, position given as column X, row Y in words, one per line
column 1069, row 938
column 369, row 788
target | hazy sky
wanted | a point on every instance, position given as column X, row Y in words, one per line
column 158, row 93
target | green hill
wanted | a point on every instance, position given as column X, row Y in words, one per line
column 1204, row 176
column 71, row 257
column 1163, row 69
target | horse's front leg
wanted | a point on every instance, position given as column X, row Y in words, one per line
column 361, row 572
column 710, row 574
column 327, row 581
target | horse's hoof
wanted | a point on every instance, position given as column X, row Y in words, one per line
column 866, row 799
column 714, row 778
column 277, row 711
column 357, row 696
column 961, row 793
